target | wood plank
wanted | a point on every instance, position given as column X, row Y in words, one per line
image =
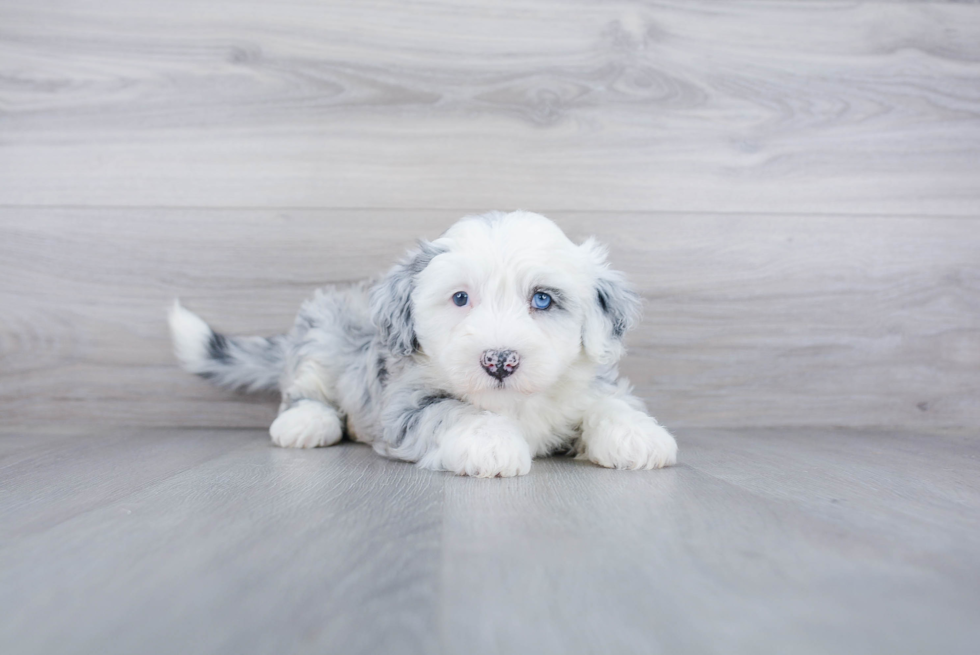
column 862, row 107
column 259, row 550
column 61, row 477
column 741, row 548
column 574, row 558
column 918, row 489
column 750, row 320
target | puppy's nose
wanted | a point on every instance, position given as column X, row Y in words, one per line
column 500, row 363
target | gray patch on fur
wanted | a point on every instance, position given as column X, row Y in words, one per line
column 244, row 363
column 391, row 301
column 408, row 420
column 618, row 302
column 218, row 348
column 413, row 419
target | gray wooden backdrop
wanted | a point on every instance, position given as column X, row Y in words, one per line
column 795, row 187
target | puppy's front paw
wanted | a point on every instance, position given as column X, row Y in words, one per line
column 486, row 447
column 629, row 441
column 308, row 424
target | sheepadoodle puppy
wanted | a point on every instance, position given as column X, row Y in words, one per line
column 496, row 343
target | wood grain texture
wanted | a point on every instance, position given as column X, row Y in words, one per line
column 721, row 556
column 258, row 550
column 793, row 185
column 760, row 541
column 859, row 107
column 750, row 320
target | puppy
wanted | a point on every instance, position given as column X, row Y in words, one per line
column 496, row 343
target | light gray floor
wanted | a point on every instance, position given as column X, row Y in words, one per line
column 766, row 541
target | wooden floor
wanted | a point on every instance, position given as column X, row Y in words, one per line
column 765, row 541
column 792, row 185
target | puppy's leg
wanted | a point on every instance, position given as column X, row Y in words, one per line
column 483, row 445
column 307, row 419
column 618, row 433
column 445, row 434
column 307, row 424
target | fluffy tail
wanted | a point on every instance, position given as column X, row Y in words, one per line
column 249, row 363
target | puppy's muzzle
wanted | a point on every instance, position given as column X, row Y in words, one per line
column 500, row 363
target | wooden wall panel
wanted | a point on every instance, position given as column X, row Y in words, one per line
column 750, row 319
column 794, row 185
column 861, row 107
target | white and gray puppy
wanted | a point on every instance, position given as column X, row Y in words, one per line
column 496, row 343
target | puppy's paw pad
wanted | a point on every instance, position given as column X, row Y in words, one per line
column 489, row 447
column 307, row 425
column 631, row 442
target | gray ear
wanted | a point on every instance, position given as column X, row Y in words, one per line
column 618, row 302
column 391, row 300
column 616, row 309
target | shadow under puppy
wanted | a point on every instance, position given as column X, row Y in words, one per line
column 496, row 343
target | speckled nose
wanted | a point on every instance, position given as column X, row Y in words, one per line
column 500, row 363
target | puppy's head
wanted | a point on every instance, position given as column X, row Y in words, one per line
column 504, row 303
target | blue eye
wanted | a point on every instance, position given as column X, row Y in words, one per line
column 460, row 298
column 541, row 300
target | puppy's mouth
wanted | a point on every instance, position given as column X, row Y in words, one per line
column 511, row 385
column 498, row 384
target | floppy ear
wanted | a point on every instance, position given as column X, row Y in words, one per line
column 614, row 309
column 391, row 300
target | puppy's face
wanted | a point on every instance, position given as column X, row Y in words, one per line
column 505, row 303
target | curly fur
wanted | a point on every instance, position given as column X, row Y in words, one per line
column 396, row 363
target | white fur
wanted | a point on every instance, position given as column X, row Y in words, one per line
column 485, row 446
column 308, row 424
column 618, row 436
column 190, row 337
column 399, row 364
